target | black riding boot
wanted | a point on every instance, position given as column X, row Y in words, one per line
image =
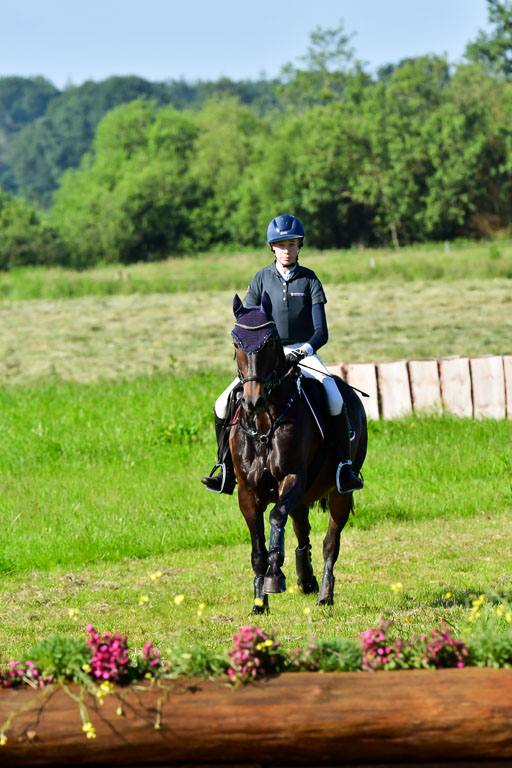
column 346, row 479
column 225, row 480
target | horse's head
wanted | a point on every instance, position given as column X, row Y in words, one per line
column 258, row 352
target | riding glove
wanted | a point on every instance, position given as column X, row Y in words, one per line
column 295, row 356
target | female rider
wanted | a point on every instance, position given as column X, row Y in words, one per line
column 298, row 301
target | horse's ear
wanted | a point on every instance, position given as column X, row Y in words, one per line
column 266, row 304
column 237, row 305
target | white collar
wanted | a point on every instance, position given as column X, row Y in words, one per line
column 285, row 274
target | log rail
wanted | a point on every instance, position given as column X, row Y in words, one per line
column 418, row 717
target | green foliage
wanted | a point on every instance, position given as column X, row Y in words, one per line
column 337, row 654
column 422, row 151
column 26, row 237
column 493, row 49
column 200, row 662
column 62, row 658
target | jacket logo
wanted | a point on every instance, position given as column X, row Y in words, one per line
column 297, row 294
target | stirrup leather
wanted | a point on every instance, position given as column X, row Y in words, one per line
column 223, row 483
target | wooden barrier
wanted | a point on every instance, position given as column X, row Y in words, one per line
column 394, row 389
column 488, row 382
column 466, row 387
column 386, row 718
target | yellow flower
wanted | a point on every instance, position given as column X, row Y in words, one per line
column 89, row 730
column 258, row 601
column 143, row 599
column 119, row 712
column 293, row 588
column 155, row 576
column 508, row 616
column 179, row 599
column 500, row 610
column 412, row 425
column 86, row 668
column 73, row 613
column 448, row 595
column 397, row 586
column 3, row 739
column 200, row 609
column 307, row 611
column 106, row 687
column 186, row 655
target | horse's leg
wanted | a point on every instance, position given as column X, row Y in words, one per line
column 253, row 515
column 305, row 576
column 290, row 491
column 340, row 506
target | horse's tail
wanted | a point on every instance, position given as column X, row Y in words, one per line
column 323, row 503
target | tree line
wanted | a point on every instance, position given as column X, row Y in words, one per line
column 127, row 170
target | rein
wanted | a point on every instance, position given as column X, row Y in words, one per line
column 265, row 439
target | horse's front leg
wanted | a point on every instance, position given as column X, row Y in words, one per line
column 253, row 514
column 290, row 492
column 340, row 506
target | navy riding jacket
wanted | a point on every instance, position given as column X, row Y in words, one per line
column 297, row 304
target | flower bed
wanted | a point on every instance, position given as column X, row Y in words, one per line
column 92, row 698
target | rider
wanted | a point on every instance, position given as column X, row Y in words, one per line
column 298, row 301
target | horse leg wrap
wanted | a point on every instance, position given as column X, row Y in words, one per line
column 275, row 581
column 305, row 576
column 276, row 540
column 260, row 598
column 326, row 596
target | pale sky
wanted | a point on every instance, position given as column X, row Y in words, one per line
column 69, row 41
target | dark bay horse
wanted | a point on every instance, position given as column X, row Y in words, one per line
column 281, row 457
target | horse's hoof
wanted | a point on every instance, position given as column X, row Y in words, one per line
column 309, row 587
column 329, row 600
column 274, row 585
column 259, row 610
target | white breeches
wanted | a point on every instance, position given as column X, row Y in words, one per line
column 315, row 370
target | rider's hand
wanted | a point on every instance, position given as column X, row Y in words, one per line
column 295, row 356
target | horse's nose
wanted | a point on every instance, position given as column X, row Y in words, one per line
column 254, row 403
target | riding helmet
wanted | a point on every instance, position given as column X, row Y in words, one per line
column 285, row 227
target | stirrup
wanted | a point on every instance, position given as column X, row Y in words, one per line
column 212, row 476
column 360, row 481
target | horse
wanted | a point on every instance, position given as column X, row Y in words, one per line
column 280, row 456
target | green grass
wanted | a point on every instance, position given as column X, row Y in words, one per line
column 106, row 429
column 119, row 337
column 484, row 260
column 101, row 488
column 462, row 556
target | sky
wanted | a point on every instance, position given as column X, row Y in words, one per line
column 71, row 41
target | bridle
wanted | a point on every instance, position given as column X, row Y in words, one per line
column 270, row 382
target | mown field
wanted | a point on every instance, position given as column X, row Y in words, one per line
column 105, row 431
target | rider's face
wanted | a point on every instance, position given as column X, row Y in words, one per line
column 286, row 252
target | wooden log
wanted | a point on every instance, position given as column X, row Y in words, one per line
column 364, row 377
column 425, row 385
column 394, row 389
column 456, row 386
column 507, row 369
column 316, row 719
column 488, row 384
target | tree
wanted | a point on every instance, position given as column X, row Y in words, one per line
column 131, row 198
column 493, row 49
column 26, row 238
column 327, row 64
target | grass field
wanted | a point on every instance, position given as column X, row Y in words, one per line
column 105, row 431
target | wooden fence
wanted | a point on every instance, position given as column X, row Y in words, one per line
column 433, row 719
column 476, row 387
